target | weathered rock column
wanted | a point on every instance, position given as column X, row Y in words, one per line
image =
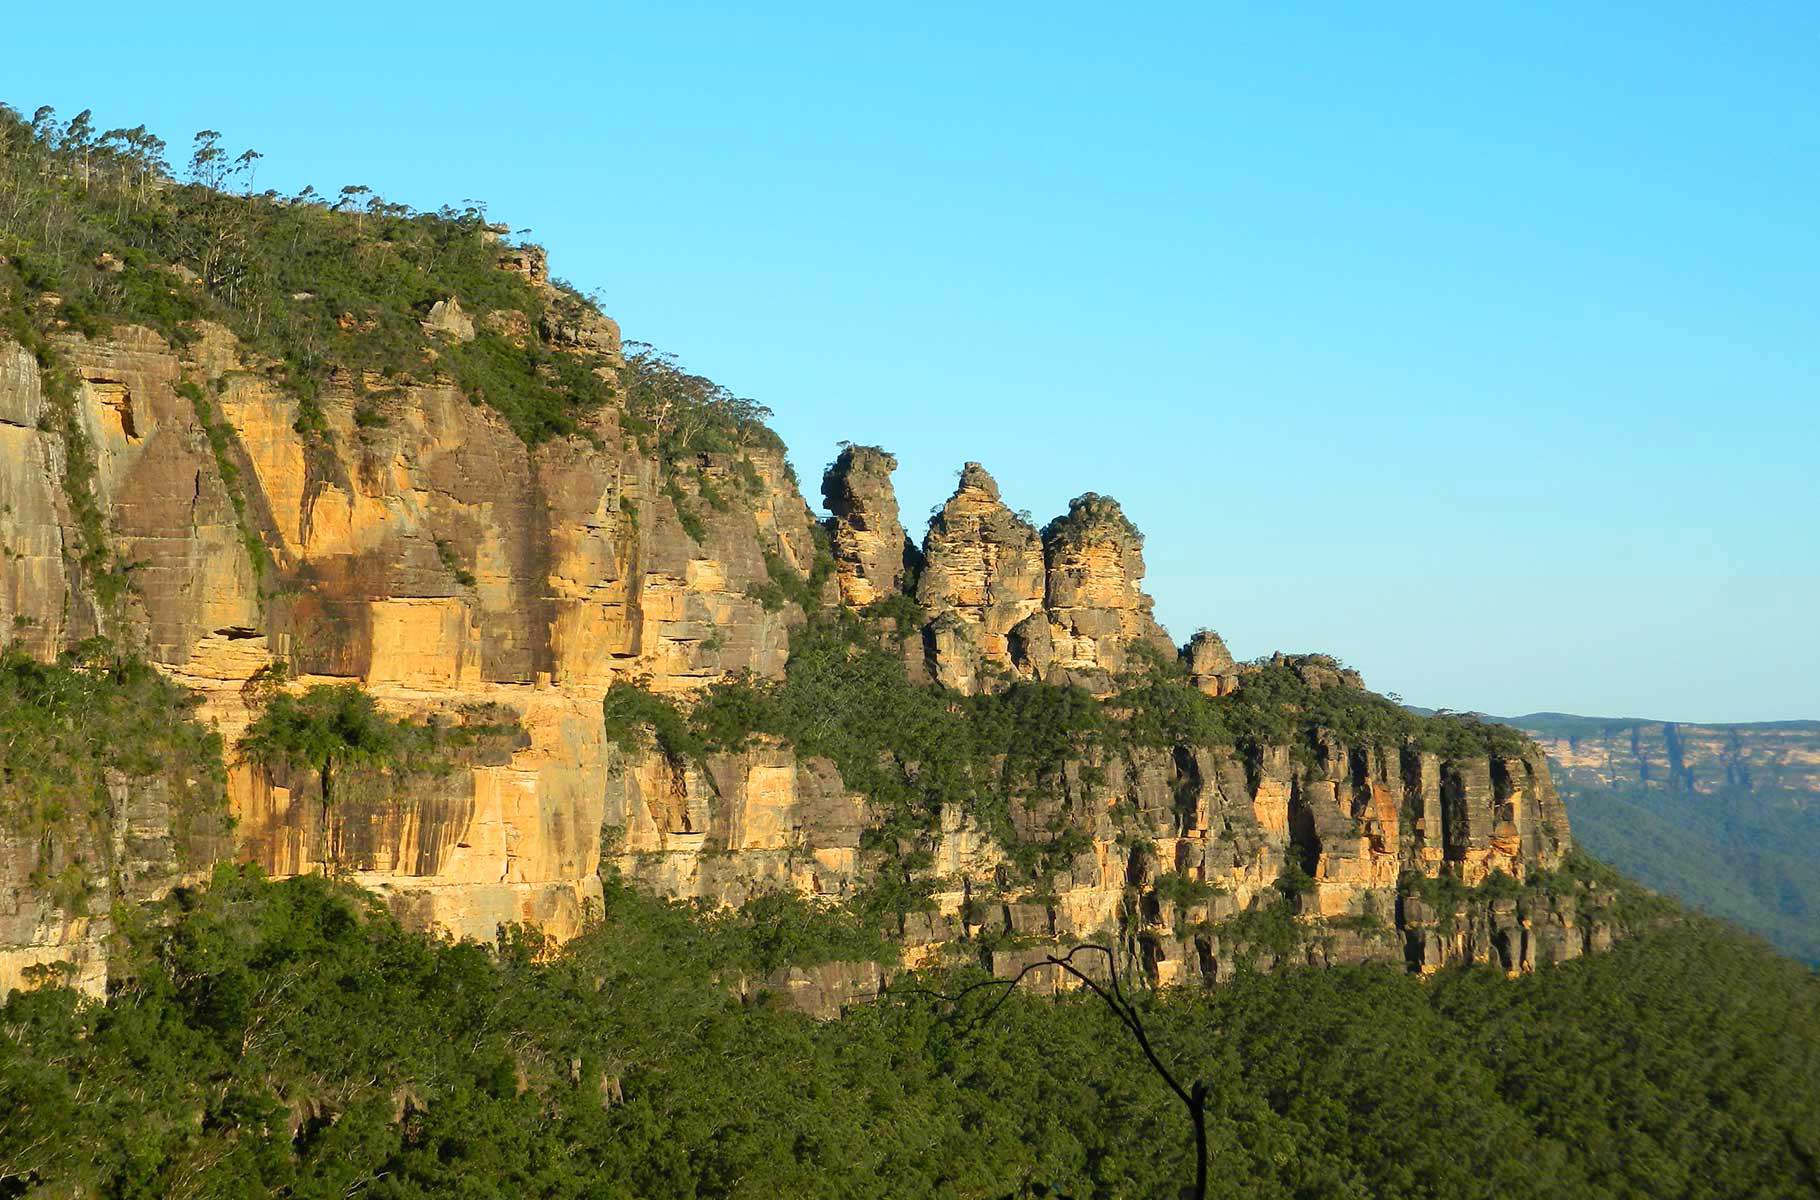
column 867, row 537
column 982, row 575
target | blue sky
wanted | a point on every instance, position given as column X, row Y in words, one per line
column 1478, row 345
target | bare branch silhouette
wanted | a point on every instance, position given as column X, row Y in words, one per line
column 1193, row 1097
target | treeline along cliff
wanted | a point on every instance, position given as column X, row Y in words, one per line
column 339, row 537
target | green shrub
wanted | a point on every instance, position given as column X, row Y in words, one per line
column 331, row 727
column 67, row 729
column 314, row 286
column 1183, row 891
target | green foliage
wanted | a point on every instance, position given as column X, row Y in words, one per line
column 1275, row 706
column 1173, row 887
column 628, row 709
column 784, row 585
column 1264, row 929
column 1086, row 514
column 686, row 516
column 327, row 722
column 1744, row 852
column 1293, row 882
column 783, row 929
column 100, row 221
column 67, row 729
column 329, row 727
column 680, row 414
column 451, row 561
column 540, row 392
column 290, row 1038
column 901, row 610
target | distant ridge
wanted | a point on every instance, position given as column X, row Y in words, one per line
column 1725, row 816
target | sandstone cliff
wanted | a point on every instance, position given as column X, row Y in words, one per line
column 434, row 557
column 1174, row 842
column 449, row 531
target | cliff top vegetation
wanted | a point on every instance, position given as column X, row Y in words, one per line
column 97, row 228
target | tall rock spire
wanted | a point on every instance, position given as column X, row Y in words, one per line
column 867, row 537
column 982, row 575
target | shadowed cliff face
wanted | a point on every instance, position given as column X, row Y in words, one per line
column 1772, row 759
column 399, row 535
column 1178, row 841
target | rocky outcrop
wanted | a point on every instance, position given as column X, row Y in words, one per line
column 431, row 556
column 1004, row 603
column 982, row 576
column 823, row 991
column 447, row 319
column 732, row 826
column 393, row 532
column 1315, row 670
column 1210, row 665
column 863, row 527
column 580, row 328
column 1094, row 612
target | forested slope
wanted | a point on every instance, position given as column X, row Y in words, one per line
column 1725, row 817
column 292, row 1039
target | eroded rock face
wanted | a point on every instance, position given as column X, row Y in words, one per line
column 1065, row 607
column 1210, row 664
column 734, row 827
column 983, row 570
column 34, row 583
column 443, row 564
column 1178, row 839
column 863, row 526
column 144, row 843
column 433, row 558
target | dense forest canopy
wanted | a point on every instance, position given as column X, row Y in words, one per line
column 292, row 1039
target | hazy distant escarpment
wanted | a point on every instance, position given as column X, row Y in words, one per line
column 1726, row 817
column 453, row 595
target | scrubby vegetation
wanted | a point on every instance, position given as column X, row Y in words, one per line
column 98, row 220
column 331, row 727
column 1087, row 512
column 677, row 413
column 1748, row 854
column 69, row 730
column 785, row 585
column 291, row 1039
column 916, row 751
column 96, row 228
column 1275, row 705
